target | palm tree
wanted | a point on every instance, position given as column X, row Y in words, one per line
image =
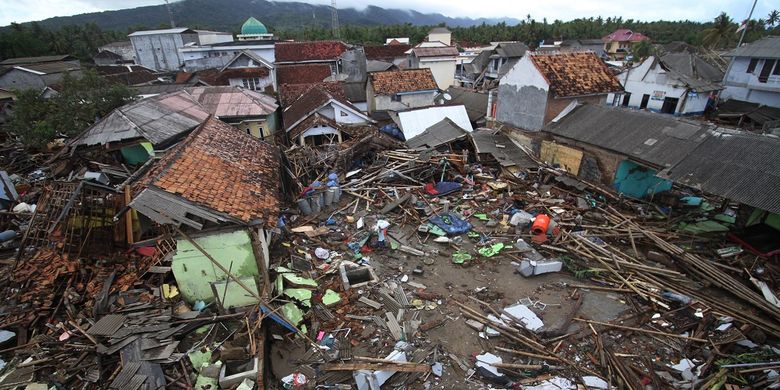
column 773, row 18
column 721, row 32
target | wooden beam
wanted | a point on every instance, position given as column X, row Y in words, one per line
column 376, row 367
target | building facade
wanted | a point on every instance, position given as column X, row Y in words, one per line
column 400, row 90
column 159, row 49
column 754, row 73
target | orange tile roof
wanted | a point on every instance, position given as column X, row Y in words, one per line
column 397, row 81
column 575, row 74
column 225, row 170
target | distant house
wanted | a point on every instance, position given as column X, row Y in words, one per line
column 37, row 76
column 394, row 54
column 442, row 62
column 541, row 85
column 249, row 71
column 7, row 99
column 622, row 148
column 754, row 73
column 254, row 38
column 491, row 64
column 618, row 44
column 159, row 49
column 320, row 117
column 115, row 53
column 594, row 45
column 440, row 34
column 676, row 83
column 400, row 90
column 251, row 112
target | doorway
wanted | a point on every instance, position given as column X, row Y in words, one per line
column 645, row 100
column 626, row 98
column 670, row 104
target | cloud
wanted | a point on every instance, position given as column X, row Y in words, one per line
column 697, row 10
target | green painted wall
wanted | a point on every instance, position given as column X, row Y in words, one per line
column 137, row 154
column 758, row 215
column 637, row 181
column 194, row 272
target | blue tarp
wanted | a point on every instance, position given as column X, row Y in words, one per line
column 451, row 223
column 393, row 131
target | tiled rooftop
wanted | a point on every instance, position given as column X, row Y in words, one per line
column 309, row 103
column 575, row 74
column 302, row 74
column 308, row 51
column 288, row 93
column 624, row 34
column 225, row 170
column 386, row 51
column 410, row 80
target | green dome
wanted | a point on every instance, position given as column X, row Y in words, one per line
column 253, row 26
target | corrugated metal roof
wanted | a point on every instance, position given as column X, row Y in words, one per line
column 50, row 67
column 440, row 133
column 36, row 60
column 157, row 119
column 414, row 122
column 656, row 139
column 446, row 51
column 475, row 102
column 690, row 69
column 233, row 101
column 511, row 49
column 767, row 47
column 164, row 31
column 743, row 167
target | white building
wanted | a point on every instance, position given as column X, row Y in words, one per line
column 677, row 83
column 211, row 52
column 159, row 49
column 319, row 118
column 440, row 34
column 754, row 73
column 442, row 61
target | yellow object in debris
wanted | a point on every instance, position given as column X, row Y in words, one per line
column 169, row 291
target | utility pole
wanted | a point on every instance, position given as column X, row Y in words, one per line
column 334, row 18
column 170, row 13
column 744, row 30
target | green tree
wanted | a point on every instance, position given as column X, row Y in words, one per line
column 773, row 18
column 721, row 33
column 80, row 103
column 641, row 50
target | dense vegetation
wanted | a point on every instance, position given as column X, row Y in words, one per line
column 82, row 41
column 38, row 120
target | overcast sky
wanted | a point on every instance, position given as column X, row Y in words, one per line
column 699, row 10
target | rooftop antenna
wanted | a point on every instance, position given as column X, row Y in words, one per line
column 170, row 13
column 334, row 18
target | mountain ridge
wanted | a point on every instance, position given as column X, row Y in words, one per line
column 213, row 14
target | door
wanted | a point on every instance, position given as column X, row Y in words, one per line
column 626, row 98
column 670, row 104
column 764, row 75
column 645, row 100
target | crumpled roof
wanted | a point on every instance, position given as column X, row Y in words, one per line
column 693, row 70
column 157, row 119
column 233, row 101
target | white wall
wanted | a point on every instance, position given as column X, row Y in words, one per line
column 412, row 100
column 444, row 37
column 443, row 70
column 745, row 86
column 208, row 38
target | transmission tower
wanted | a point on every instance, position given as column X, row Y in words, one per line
column 334, row 18
column 170, row 13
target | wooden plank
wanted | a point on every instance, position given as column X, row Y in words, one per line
column 413, row 367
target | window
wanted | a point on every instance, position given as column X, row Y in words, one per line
column 343, row 113
column 766, row 70
column 252, row 84
column 776, row 72
column 752, row 65
column 626, row 99
column 396, row 98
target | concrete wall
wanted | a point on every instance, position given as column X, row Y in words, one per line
column 340, row 114
column 160, row 51
column 444, row 37
column 194, row 65
column 443, row 70
column 263, row 83
column 522, row 97
column 208, row 38
column 741, row 85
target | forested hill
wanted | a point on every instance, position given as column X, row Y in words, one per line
column 229, row 15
